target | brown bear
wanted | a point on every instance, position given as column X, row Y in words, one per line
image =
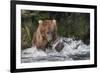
column 45, row 33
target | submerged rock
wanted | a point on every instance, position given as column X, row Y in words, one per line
column 59, row 46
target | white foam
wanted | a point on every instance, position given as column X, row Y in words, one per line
column 71, row 47
column 33, row 52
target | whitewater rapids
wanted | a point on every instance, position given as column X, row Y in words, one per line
column 72, row 50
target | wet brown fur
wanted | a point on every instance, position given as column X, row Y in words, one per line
column 40, row 36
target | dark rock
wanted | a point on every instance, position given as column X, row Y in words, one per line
column 59, row 46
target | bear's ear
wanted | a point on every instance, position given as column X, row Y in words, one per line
column 54, row 21
column 40, row 21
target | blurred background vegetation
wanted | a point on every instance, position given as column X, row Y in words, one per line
column 70, row 24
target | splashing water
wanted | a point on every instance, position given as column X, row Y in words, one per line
column 72, row 50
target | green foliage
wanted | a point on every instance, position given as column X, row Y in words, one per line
column 69, row 24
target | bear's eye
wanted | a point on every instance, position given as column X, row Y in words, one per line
column 48, row 32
